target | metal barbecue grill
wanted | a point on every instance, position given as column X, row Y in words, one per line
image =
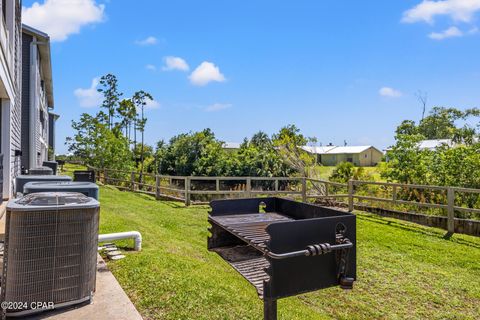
column 283, row 247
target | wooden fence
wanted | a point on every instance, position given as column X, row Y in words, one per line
column 388, row 199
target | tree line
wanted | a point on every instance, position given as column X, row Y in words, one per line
column 114, row 138
column 454, row 163
column 109, row 138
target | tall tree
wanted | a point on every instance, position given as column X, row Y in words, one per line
column 288, row 142
column 422, row 98
column 139, row 101
column 97, row 145
column 127, row 112
column 111, row 97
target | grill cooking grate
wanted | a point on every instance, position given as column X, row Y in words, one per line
column 250, row 228
column 254, row 271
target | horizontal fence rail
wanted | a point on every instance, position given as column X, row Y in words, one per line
column 397, row 200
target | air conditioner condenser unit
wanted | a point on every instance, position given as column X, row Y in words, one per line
column 50, row 251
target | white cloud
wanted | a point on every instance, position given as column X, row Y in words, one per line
column 217, row 107
column 62, row 18
column 389, row 92
column 175, row 63
column 152, row 104
column 150, row 67
column 448, row 33
column 148, row 41
column 427, row 10
column 89, row 97
column 206, row 72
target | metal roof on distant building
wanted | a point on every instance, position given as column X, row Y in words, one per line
column 317, row 149
column 231, row 145
column 433, row 144
column 349, row 149
column 337, row 150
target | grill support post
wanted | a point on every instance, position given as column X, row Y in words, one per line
column 270, row 309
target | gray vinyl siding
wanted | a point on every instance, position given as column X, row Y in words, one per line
column 25, row 123
column 16, row 110
column 41, row 131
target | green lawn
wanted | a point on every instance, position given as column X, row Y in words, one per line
column 69, row 168
column 324, row 172
column 404, row 270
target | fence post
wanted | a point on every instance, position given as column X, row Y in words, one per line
column 105, row 176
column 187, row 191
column 450, row 210
column 248, row 191
column 217, row 184
column 350, row 195
column 394, row 194
column 304, row 189
column 132, row 181
column 157, row 187
column 326, row 189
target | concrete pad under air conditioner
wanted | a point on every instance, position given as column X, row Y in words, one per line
column 109, row 302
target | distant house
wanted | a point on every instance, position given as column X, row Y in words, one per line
column 361, row 156
column 37, row 97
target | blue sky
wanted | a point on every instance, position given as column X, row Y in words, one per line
column 339, row 70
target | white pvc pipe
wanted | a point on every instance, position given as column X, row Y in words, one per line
column 121, row 236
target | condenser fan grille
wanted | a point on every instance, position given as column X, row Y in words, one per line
column 50, row 255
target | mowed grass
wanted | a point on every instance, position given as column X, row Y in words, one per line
column 324, row 172
column 69, row 168
column 405, row 271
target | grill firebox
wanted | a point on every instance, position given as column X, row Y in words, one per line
column 288, row 249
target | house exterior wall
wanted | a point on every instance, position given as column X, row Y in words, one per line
column 10, row 93
column 331, row 159
column 371, row 157
column 367, row 158
column 25, row 158
column 52, row 118
column 34, row 106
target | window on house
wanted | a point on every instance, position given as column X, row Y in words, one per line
column 366, row 155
